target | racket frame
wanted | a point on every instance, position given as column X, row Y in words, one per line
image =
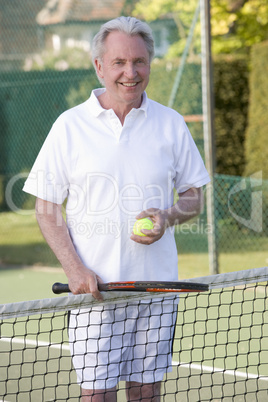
column 141, row 286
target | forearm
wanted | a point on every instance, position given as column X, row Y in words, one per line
column 188, row 206
column 55, row 231
column 56, row 234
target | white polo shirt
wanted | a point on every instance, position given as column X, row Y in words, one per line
column 109, row 174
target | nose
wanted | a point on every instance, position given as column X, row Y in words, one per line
column 130, row 70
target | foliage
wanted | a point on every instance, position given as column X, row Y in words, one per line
column 256, row 134
column 235, row 24
column 189, row 95
column 238, row 24
column 66, row 58
column 80, row 93
column 231, row 105
column 181, row 12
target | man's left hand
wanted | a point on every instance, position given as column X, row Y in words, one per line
column 158, row 217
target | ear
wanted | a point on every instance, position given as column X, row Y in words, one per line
column 98, row 67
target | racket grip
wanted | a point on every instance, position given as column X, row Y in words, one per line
column 59, row 288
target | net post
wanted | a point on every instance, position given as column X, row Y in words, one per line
column 208, row 127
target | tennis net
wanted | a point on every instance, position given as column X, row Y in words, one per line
column 220, row 347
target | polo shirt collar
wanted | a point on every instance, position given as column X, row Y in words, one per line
column 96, row 109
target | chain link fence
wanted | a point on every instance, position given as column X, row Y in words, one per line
column 44, row 70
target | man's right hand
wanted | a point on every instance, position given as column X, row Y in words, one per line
column 84, row 280
column 53, row 226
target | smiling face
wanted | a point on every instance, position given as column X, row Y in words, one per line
column 125, row 70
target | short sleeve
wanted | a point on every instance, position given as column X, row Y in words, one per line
column 190, row 168
column 49, row 176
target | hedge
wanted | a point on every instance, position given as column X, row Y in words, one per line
column 256, row 146
column 231, row 109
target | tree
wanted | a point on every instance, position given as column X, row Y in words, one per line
column 235, row 24
column 238, row 24
column 181, row 11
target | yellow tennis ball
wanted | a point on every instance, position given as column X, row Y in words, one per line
column 144, row 223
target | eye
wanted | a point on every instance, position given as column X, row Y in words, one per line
column 140, row 61
column 118, row 62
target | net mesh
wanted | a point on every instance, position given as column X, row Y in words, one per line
column 220, row 346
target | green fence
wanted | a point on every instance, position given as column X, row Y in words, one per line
column 29, row 104
column 241, row 218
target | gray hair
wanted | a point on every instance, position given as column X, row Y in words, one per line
column 130, row 26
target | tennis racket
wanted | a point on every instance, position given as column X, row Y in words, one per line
column 141, row 286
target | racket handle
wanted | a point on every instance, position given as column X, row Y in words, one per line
column 59, row 288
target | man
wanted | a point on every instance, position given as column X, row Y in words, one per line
column 117, row 157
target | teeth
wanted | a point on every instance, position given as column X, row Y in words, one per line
column 130, row 84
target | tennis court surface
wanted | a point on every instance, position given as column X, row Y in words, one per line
column 220, row 351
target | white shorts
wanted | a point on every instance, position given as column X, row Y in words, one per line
column 122, row 342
